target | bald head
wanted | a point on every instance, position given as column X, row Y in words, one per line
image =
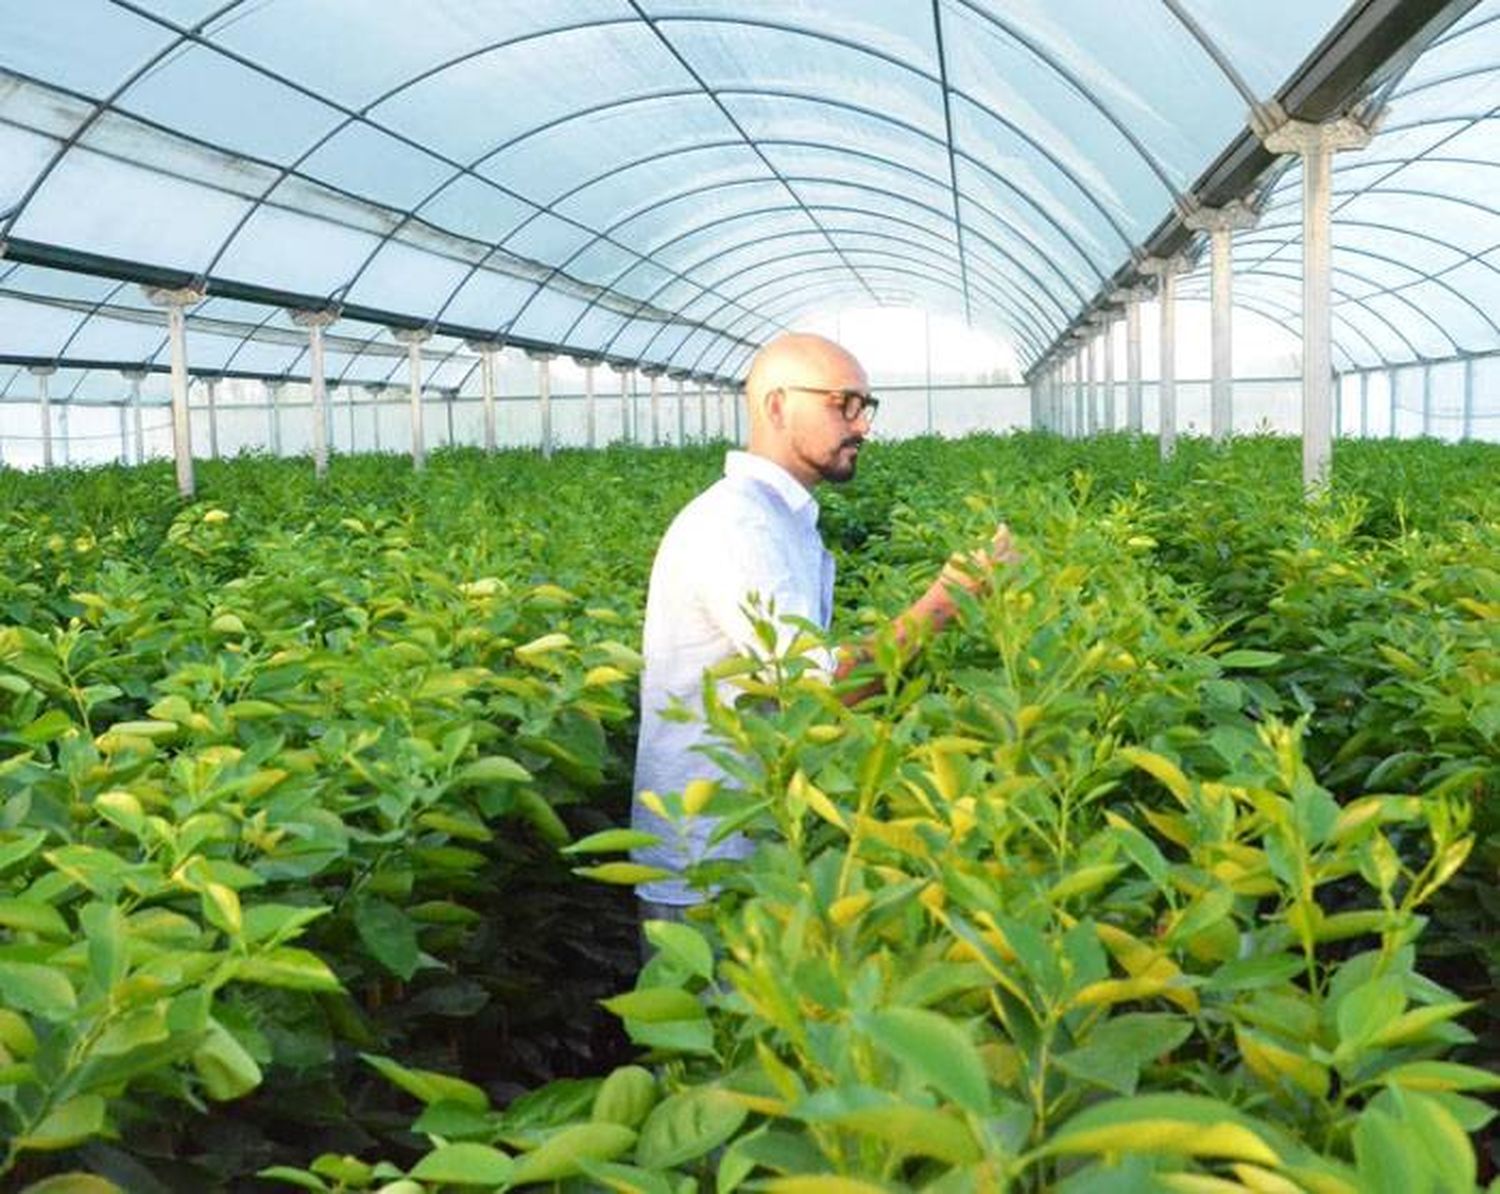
column 792, row 420
column 800, row 359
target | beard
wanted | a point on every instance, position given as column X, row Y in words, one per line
column 840, row 466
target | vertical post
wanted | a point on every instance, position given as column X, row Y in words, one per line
column 176, row 302
column 65, row 431
column 702, row 411
column 315, row 322
column 376, row 391
column 211, row 391
column 273, row 399
column 1316, row 143
column 655, row 375
column 124, row 434
column 1390, row 393
column 544, row 398
column 450, row 396
column 486, row 350
column 1133, row 403
column 681, row 415
column 737, row 402
column 1364, row 404
column 1426, row 400
column 1468, row 431
column 414, row 338
column 1080, row 392
column 1090, row 389
column 1108, row 335
column 1166, row 270
column 135, row 377
column 44, row 404
column 624, row 372
column 349, row 401
column 590, row 430
column 1221, row 223
column 723, row 411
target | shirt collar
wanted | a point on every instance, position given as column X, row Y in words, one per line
column 768, row 472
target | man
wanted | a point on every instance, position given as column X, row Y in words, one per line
column 754, row 533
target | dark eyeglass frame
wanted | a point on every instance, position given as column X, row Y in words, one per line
column 853, row 403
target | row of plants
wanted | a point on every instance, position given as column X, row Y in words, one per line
column 1170, row 867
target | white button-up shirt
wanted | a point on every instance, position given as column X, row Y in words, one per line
column 752, row 534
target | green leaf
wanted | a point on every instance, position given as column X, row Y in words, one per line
column 612, row 841
column 652, row 1005
column 465, row 1164
column 32, row 916
column 108, row 946
column 683, row 945
column 1245, row 659
column 226, row 1069
column 1250, row 974
column 73, row 1183
column 1440, row 1076
column 688, row 1125
column 40, row 990
column 72, row 1123
column 1114, row 1052
column 1173, row 1124
column 287, row 966
column 454, row 1121
column 389, row 935
column 22, row 848
column 494, row 769
column 1368, row 1008
column 428, row 1085
column 559, row 1155
column 293, row 1177
column 910, row 1130
column 935, row 1050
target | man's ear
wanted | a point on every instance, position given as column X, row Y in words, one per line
column 773, row 403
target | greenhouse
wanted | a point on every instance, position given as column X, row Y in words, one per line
column 1119, row 815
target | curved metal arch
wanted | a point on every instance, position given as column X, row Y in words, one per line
column 1466, row 258
column 1083, row 90
column 860, row 186
column 1214, row 51
column 1462, row 31
column 100, row 107
column 1027, row 199
column 1009, row 319
column 1377, row 189
column 900, row 64
column 1342, row 296
column 1288, row 312
column 1007, row 315
column 770, row 261
column 997, row 249
column 842, row 209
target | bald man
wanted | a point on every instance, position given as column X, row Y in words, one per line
column 752, row 538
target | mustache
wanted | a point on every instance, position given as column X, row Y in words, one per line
column 853, row 441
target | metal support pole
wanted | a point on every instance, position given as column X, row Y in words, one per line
column 1391, row 400
column 681, row 414
column 655, row 377
column 1364, row 404
column 1426, row 400
column 487, row 350
column 590, row 429
column 124, row 434
column 1108, row 334
column 176, row 302
column 703, row 412
column 544, row 397
column 1166, row 270
column 737, row 404
column 211, row 392
column 723, row 412
column 1221, row 223
column 375, row 392
column 1091, row 387
column 1133, row 404
column 273, row 398
column 65, row 432
column 414, row 338
column 44, row 402
column 1316, row 143
column 135, row 377
column 450, row 396
column 349, row 399
column 1468, row 432
column 315, row 322
column 624, row 372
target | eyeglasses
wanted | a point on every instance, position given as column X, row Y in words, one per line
column 854, row 403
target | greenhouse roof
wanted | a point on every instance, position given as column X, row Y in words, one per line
column 670, row 181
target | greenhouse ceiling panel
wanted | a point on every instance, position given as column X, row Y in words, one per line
column 670, row 181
